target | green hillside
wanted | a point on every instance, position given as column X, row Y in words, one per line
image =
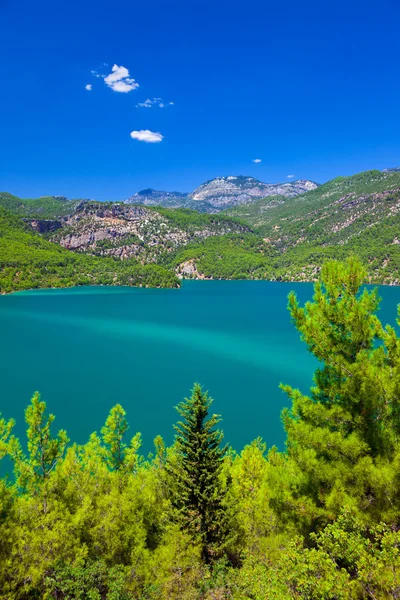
column 348, row 215
column 47, row 207
column 28, row 261
column 325, row 214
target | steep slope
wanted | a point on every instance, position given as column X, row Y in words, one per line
column 28, row 261
column 334, row 212
column 253, row 213
column 221, row 193
column 126, row 231
column 358, row 214
column 47, row 207
column 226, row 192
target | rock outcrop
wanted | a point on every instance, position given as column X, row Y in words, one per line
column 222, row 193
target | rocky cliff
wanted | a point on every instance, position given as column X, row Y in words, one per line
column 125, row 231
column 226, row 192
column 222, row 193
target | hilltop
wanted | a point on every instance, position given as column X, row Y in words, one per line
column 224, row 192
column 46, row 207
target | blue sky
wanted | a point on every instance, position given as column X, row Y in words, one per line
column 311, row 88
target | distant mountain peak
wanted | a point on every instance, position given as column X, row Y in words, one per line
column 151, row 197
column 392, row 170
column 221, row 193
column 233, row 190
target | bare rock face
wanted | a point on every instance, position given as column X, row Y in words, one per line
column 44, row 225
column 126, row 231
column 227, row 192
column 222, row 193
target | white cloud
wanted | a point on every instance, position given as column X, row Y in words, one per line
column 119, row 80
column 257, row 160
column 145, row 135
column 146, row 104
column 154, row 102
column 88, row 87
column 96, row 74
column 290, row 176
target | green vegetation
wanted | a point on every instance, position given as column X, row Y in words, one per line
column 277, row 238
column 27, row 261
column 48, row 207
column 320, row 521
column 186, row 218
column 348, row 215
column 227, row 257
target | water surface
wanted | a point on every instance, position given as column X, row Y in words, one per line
column 85, row 349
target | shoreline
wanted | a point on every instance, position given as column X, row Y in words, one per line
column 137, row 287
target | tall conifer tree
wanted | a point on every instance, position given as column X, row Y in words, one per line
column 344, row 438
column 200, row 493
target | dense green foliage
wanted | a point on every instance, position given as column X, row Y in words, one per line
column 228, row 257
column 320, row 521
column 348, row 215
column 28, row 261
column 194, row 471
column 186, row 218
column 47, row 207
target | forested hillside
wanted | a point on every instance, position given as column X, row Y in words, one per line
column 28, row 261
column 332, row 213
column 201, row 520
column 47, row 207
column 358, row 214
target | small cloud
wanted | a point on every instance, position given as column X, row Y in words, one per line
column 98, row 75
column 119, row 80
column 146, row 104
column 290, row 176
column 257, row 160
column 145, row 135
column 154, row 102
column 88, row 87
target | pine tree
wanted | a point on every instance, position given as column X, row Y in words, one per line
column 118, row 456
column 44, row 450
column 199, row 496
column 344, row 438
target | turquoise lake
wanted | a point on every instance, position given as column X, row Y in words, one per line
column 86, row 349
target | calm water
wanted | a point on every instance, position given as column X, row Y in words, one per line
column 86, row 349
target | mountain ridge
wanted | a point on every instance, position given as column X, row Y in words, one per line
column 221, row 193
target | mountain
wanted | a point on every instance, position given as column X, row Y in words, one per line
column 392, row 170
column 150, row 197
column 333, row 213
column 124, row 231
column 46, row 207
column 225, row 192
column 221, row 193
column 28, row 261
column 274, row 237
column 348, row 215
